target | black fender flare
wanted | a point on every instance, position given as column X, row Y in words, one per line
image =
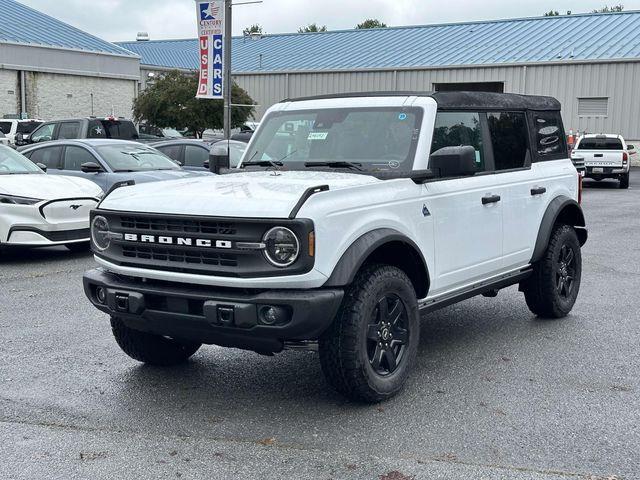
column 566, row 209
column 355, row 256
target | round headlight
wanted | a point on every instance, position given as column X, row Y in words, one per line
column 282, row 246
column 100, row 233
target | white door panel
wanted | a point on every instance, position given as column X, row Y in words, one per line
column 468, row 234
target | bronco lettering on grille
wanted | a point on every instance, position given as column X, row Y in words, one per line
column 180, row 241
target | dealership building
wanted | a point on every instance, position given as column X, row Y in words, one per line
column 50, row 70
column 590, row 62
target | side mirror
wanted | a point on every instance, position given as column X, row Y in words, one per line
column 90, row 167
column 218, row 159
column 19, row 139
column 206, row 164
column 454, row 162
column 42, row 167
column 631, row 147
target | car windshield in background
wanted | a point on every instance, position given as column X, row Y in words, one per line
column 372, row 139
column 12, row 163
column 132, row 158
column 600, row 144
column 5, row 127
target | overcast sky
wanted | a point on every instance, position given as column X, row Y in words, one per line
column 120, row 20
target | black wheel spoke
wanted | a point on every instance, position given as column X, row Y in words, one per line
column 570, row 257
column 390, row 356
column 560, row 285
column 383, row 309
column 396, row 312
column 377, row 358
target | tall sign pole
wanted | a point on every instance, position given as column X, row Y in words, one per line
column 228, row 25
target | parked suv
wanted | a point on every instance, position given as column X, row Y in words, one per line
column 114, row 128
column 12, row 127
column 603, row 156
column 360, row 213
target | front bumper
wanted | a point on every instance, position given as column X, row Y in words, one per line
column 222, row 316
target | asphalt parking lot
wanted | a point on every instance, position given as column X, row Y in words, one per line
column 496, row 394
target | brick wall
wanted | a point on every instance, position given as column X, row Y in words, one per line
column 9, row 102
column 53, row 96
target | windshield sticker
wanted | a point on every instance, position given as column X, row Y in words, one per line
column 402, row 116
column 318, row 136
column 394, row 164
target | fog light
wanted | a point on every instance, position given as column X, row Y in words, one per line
column 270, row 315
column 101, row 295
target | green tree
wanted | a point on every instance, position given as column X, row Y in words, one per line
column 607, row 9
column 371, row 23
column 312, row 28
column 255, row 28
column 171, row 102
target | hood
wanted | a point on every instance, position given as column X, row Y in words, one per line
column 249, row 194
column 48, row 187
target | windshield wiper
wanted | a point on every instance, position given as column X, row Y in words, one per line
column 335, row 164
column 263, row 163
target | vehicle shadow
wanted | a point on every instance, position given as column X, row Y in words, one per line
column 19, row 256
column 605, row 184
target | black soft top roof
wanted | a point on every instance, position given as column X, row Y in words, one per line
column 461, row 100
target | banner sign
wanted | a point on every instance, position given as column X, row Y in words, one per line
column 211, row 35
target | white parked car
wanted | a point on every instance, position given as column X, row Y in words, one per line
column 39, row 210
column 347, row 218
column 603, row 156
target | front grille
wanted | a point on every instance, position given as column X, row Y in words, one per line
column 160, row 254
column 173, row 225
column 156, row 253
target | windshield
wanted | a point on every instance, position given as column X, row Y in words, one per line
column 600, row 144
column 13, row 163
column 135, row 158
column 376, row 139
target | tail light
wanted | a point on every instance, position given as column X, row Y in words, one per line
column 625, row 158
column 579, row 189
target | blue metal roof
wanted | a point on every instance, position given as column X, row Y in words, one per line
column 24, row 25
column 543, row 39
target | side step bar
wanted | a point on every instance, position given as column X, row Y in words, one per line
column 475, row 290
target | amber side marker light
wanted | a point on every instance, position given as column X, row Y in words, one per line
column 312, row 244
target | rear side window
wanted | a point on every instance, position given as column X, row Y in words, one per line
column 455, row 129
column 49, row 156
column 195, row 156
column 5, row 127
column 171, row 151
column 600, row 144
column 120, row 129
column 508, row 131
column 69, row 130
column 549, row 134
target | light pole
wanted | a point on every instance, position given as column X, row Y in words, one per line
column 228, row 25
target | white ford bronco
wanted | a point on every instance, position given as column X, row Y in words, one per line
column 349, row 217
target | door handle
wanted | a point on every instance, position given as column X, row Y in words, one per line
column 538, row 190
column 490, row 199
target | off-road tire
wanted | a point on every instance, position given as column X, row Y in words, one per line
column 346, row 346
column 149, row 348
column 541, row 290
column 624, row 181
column 81, row 247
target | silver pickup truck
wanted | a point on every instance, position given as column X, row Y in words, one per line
column 603, row 156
